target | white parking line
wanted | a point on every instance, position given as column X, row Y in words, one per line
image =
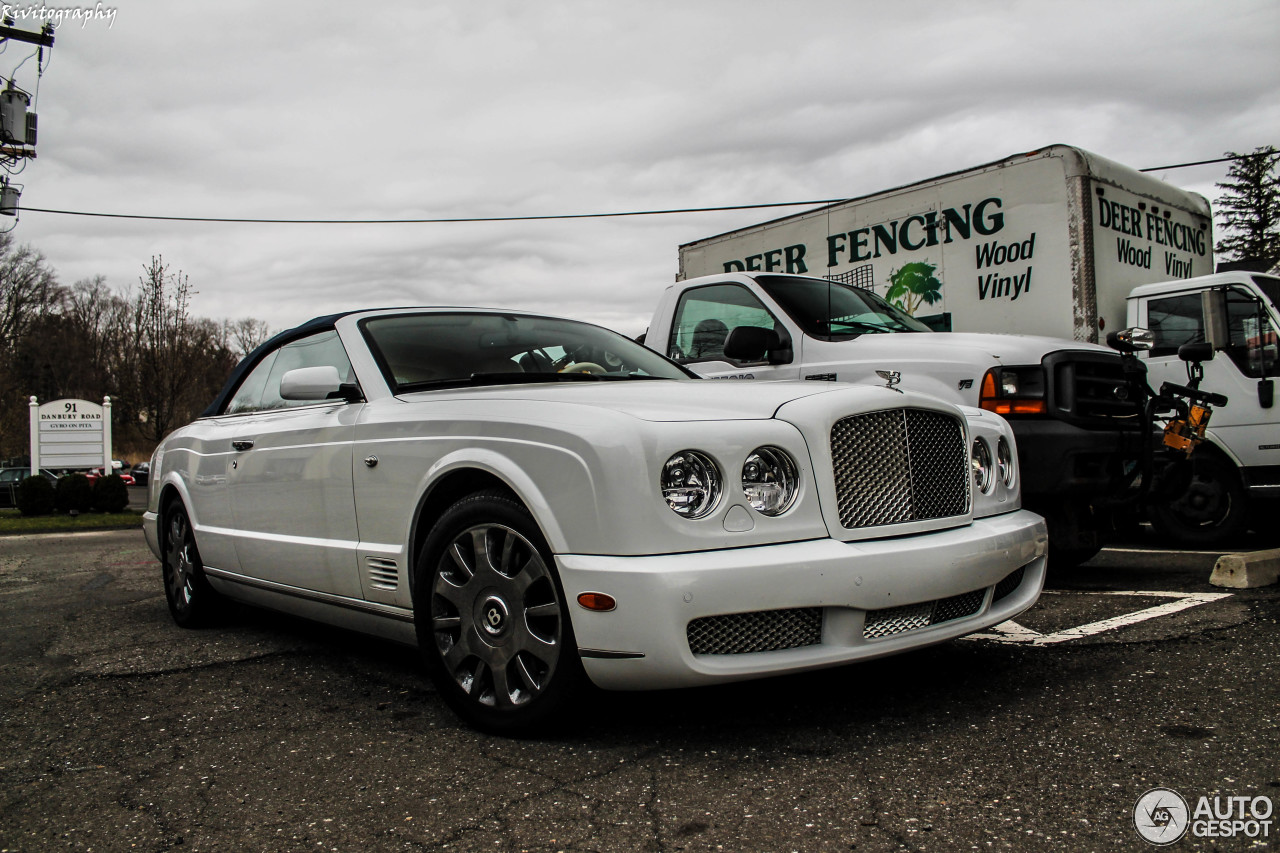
column 1012, row 632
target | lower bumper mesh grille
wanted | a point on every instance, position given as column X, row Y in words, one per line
column 759, row 631
column 896, row 620
column 1009, row 584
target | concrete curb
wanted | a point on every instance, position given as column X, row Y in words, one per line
column 1246, row 571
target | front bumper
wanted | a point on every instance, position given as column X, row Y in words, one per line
column 151, row 530
column 643, row 643
column 1056, row 458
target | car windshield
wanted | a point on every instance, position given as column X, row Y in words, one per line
column 832, row 310
column 422, row 351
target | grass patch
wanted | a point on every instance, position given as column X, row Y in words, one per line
column 13, row 522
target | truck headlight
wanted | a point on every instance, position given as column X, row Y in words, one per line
column 691, row 483
column 769, row 480
column 1014, row 391
column 982, row 469
column 1004, row 462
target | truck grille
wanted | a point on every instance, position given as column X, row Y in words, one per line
column 899, row 465
column 1090, row 388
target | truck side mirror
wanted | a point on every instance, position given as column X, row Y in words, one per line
column 1213, row 310
column 1132, row 340
column 1266, row 393
column 1196, row 352
column 754, row 343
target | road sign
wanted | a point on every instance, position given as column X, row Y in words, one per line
column 70, row 434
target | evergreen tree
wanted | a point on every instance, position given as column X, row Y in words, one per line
column 1250, row 207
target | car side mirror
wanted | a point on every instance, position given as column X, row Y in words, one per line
column 1266, row 393
column 755, row 343
column 321, row 382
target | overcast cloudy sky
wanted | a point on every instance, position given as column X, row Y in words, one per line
column 489, row 108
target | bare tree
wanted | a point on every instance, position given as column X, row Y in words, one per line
column 177, row 362
column 247, row 335
column 29, row 291
column 160, row 365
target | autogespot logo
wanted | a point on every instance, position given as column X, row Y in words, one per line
column 1161, row 816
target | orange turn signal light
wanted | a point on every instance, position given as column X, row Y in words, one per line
column 597, row 601
column 988, row 400
column 1015, row 407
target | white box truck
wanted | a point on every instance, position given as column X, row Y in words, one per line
column 1046, row 245
column 1236, row 473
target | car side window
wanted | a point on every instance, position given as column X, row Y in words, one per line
column 706, row 315
column 1174, row 320
column 260, row 390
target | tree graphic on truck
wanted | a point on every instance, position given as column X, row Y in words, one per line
column 913, row 284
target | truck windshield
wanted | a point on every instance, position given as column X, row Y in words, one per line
column 1271, row 287
column 832, row 310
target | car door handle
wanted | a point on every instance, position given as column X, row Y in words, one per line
column 242, row 443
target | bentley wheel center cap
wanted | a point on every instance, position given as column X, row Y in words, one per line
column 494, row 616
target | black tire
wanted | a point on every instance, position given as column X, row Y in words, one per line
column 1075, row 532
column 1212, row 510
column 492, row 621
column 193, row 603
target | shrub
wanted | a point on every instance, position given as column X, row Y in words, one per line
column 36, row 496
column 110, row 494
column 75, row 493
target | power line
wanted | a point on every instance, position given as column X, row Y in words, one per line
column 1197, row 163
column 439, row 220
column 547, row 217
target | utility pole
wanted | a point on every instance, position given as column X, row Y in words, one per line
column 17, row 123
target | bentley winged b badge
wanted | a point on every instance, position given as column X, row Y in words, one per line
column 891, row 379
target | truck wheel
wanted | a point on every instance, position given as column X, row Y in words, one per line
column 1213, row 509
column 1075, row 533
column 492, row 622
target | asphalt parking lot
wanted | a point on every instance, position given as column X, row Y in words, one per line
column 120, row 731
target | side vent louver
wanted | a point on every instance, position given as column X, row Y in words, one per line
column 383, row 573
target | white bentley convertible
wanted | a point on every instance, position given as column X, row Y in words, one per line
column 537, row 503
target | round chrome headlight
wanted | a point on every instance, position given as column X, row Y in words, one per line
column 769, row 480
column 1004, row 462
column 691, row 483
column 982, row 469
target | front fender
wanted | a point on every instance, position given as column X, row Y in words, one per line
column 578, row 505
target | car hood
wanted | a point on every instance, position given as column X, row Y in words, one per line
column 657, row 400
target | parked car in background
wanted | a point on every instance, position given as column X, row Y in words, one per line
column 11, row 477
column 537, row 503
column 141, row 473
column 95, row 473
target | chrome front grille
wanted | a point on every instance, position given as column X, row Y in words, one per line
column 758, row 631
column 896, row 620
column 899, row 465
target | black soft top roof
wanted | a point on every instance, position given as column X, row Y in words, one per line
column 318, row 324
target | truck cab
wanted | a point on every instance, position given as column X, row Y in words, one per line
column 1065, row 400
column 1238, row 467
